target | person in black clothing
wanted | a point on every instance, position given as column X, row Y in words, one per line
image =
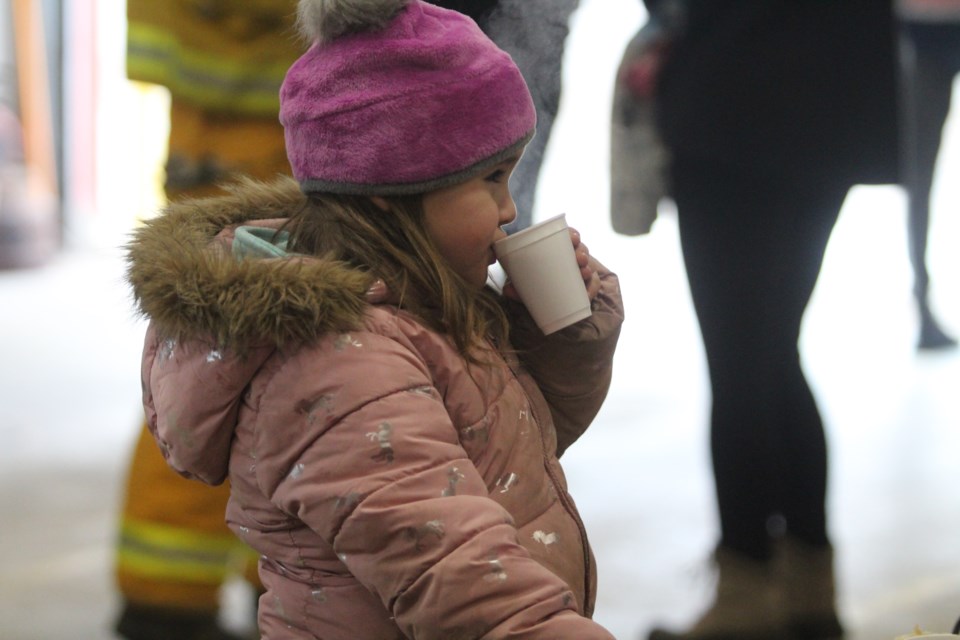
column 930, row 60
column 770, row 111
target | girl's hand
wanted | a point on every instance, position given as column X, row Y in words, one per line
column 591, row 280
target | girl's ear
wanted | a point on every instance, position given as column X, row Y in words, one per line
column 380, row 202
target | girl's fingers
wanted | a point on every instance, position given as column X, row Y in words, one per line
column 583, row 255
column 590, row 279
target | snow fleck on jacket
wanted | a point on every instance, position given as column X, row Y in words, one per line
column 393, row 491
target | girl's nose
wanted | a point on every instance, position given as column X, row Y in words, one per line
column 508, row 211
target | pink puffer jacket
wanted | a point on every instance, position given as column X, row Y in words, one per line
column 391, row 490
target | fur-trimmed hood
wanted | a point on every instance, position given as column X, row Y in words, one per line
column 186, row 280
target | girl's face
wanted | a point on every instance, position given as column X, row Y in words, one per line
column 464, row 220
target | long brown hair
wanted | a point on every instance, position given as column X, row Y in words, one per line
column 394, row 246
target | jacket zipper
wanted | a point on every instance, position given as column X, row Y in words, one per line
column 588, row 604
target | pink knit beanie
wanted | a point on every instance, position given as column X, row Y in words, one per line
column 398, row 97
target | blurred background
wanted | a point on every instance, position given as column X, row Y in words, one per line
column 88, row 165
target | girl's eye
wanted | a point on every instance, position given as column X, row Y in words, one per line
column 497, row 176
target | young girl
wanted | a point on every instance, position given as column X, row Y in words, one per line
column 389, row 424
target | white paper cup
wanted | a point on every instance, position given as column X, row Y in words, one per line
column 541, row 264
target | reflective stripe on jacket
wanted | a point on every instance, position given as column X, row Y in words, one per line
column 225, row 55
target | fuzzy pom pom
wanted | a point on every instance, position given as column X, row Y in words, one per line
column 325, row 20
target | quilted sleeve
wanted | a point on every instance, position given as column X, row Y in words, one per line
column 573, row 367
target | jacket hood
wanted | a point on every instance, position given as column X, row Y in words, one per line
column 215, row 318
column 188, row 282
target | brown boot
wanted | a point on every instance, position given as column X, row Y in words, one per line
column 747, row 605
column 809, row 591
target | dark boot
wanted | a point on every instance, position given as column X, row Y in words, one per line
column 807, row 578
column 150, row 623
column 932, row 336
column 747, row 605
